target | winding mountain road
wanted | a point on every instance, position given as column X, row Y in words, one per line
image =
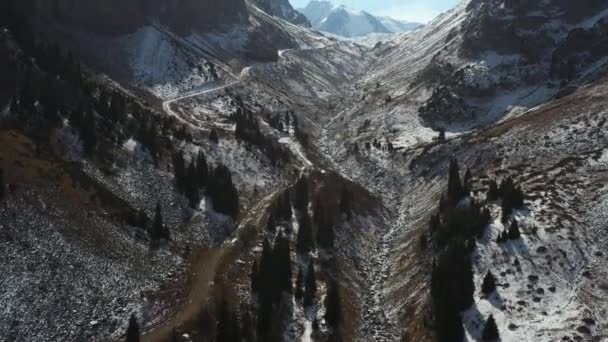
column 194, row 93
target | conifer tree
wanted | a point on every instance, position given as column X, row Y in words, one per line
column 493, row 193
column 223, row 193
column 158, row 230
column 192, row 186
column 228, row 329
column 326, row 237
column 333, row 311
column 305, row 237
column 282, row 261
column 514, row 232
column 133, row 330
column 489, row 284
column 345, row 203
column 88, row 134
column 490, row 330
column 301, row 200
column 299, row 292
column 271, row 226
column 455, row 189
column 202, row 169
column 179, row 170
column 310, row 291
column 435, row 223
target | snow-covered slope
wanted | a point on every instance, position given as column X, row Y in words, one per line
column 516, row 86
column 342, row 21
column 396, row 26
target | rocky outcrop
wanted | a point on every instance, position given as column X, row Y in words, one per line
column 184, row 16
column 283, row 9
column 115, row 17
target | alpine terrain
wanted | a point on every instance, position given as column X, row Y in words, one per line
column 345, row 22
column 198, row 170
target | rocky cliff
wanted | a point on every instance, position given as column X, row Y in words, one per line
column 117, row 17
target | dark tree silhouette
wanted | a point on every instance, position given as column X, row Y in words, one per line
column 333, row 310
column 223, row 193
column 493, row 191
column 133, row 330
column 455, row 189
column 489, row 284
column 514, row 232
column 310, row 291
column 301, row 201
column 299, row 292
column 305, row 239
column 490, row 330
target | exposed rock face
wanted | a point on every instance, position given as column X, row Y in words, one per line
column 99, row 16
column 203, row 15
column 283, row 9
column 505, row 45
column 521, row 26
column 116, row 17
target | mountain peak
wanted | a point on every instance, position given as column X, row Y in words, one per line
column 345, row 21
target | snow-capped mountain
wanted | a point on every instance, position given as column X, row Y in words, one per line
column 342, row 21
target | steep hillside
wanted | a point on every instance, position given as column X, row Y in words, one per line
column 213, row 171
column 283, row 9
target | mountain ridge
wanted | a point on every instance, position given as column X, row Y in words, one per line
column 342, row 21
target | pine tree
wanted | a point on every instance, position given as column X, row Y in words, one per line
column 223, row 193
column 202, row 169
column 326, row 237
column 247, row 331
column 345, row 203
column 507, row 210
column 493, row 193
column 514, row 232
column 88, row 134
column 441, row 135
column 333, row 312
column 228, row 329
column 435, row 223
column 489, row 284
column 455, row 189
column 310, row 291
column 133, row 330
column 192, row 186
column 490, row 330
column 158, row 230
column 282, row 261
column 271, row 226
column 179, row 171
column 305, row 237
column 301, row 201
column 299, row 292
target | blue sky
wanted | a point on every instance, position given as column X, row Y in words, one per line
column 411, row 10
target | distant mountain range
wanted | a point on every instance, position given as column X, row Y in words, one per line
column 343, row 21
